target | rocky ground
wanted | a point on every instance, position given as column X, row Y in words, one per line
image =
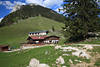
column 81, row 55
column 83, row 51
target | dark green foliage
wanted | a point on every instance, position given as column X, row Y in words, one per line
column 27, row 11
column 82, row 18
column 53, row 29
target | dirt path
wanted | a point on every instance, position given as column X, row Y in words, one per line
column 31, row 47
column 89, row 44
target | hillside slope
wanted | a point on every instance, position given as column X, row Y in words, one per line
column 27, row 11
column 17, row 33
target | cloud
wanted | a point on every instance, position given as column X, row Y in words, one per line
column 52, row 3
column 1, row 19
column 46, row 3
column 10, row 5
column 7, row 4
column 19, row 3
column 39, row 2
column 17, row 6
column 57, row 10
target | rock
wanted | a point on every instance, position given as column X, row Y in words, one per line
column 84, row 54
column 78, row 61
column 77, row 53
column 90, row 47
column 42, row 65
column 34, row 62
column 60, row 60
column 69, row 48
column 66, row 55
column 46, row 52
column 70, row 61
column 57, row 47
column 81, row 53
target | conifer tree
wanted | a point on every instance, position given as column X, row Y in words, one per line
column 82, row 18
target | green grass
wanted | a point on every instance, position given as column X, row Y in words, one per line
column 15, row 34
column 22, row 58
column 91, row 41
column 96, row 49
column 97, row 63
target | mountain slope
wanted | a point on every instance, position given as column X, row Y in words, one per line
column 17, row 33
column 31, row 10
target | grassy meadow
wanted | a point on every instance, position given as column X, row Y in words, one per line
column 47, row 55
column 91, row 41
column 17, row 33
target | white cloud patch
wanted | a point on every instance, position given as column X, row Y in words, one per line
column 10, row 5
column 1, row 19
column 58, row 10
column 7, row 4
column 39, row 2
column 52, row 3
column 46, row 3
column 17, row 5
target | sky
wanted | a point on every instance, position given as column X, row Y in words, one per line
column 7, row 6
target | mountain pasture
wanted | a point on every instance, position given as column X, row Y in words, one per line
column 17, row 33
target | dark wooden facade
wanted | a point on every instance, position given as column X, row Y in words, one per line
column 43, row 40
column 4, row 48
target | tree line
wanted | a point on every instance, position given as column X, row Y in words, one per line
column 82, row 17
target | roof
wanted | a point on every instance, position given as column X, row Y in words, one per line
column 53, row 36
column 3, row 46
column 38, row 32
column 41, row 37
column 38, row 37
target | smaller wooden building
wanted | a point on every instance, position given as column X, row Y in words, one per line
column 4, row 48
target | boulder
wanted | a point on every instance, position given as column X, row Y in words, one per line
column 42, row 65
column 57, row 47
column 90, row 47
column 60, row 60
column 34, row 62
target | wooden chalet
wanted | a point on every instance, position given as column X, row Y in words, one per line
column 38, row 33
column 43, row 40
column 4, row 48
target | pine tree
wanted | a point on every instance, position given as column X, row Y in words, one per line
column 82, row 18
column 53, row 29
